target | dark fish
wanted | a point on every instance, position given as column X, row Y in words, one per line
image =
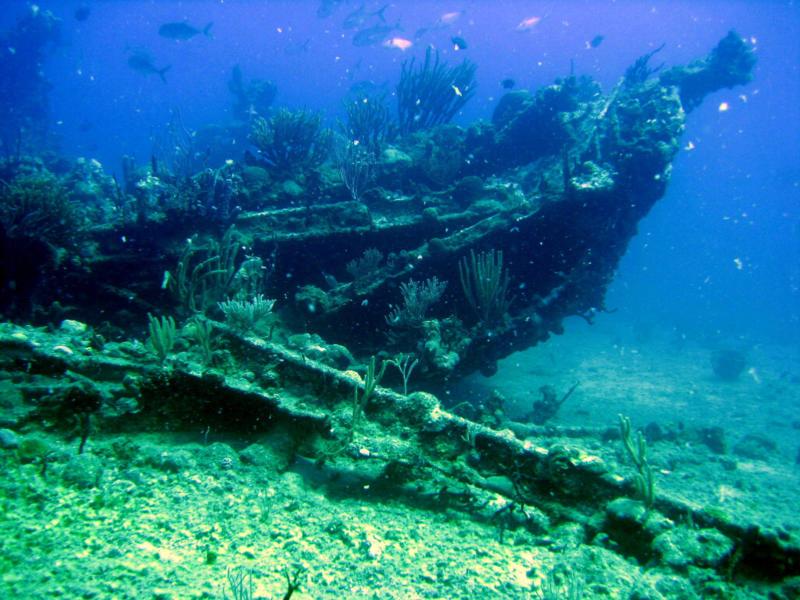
column 141, row 62
column 182, row 31
column 85, row 126
column 373, row 35
column 459, row 43
column 358, row 17
column 597, row 40
column 297, row 48
column 420, row 32
column 82, row 12
column 508, row 83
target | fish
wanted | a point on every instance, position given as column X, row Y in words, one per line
column 508, row 83
column 373, row 35
column 82, row 13
column 528, row 24
column 449, row 18
column 443, row 22
column 399, row 43
column 297, row 48
column 182, row 31
column 596, row 41
column 358, row 17
column 459, row 43
column 141, row 62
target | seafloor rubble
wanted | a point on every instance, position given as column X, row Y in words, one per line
column 282, row 299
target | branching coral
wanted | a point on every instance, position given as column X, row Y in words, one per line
column 356, row 168
column 418, row 297
column 363, row 269
column 38, row 207
column 433, row 93
column 369, row 123
column 291, row 141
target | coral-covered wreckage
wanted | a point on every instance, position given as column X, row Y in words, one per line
column 437, row 249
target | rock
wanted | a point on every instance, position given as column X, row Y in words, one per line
column 291, row 188
column 315, row 348
column 32, row 450
column 509, row 106
column 728, row 364
column 275, row 451
column 83, row 471
column 682, row 547
column 171, row 461
column 71, row 327
column 633, row 527
column 713, row 438
column 219, row 455
column 8, row 439
column 256, row 455
column 755, row 446
column 394, row 156
column 590, row 177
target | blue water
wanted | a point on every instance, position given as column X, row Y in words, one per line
column 719, row 255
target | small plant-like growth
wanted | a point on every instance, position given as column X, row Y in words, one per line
column 637, row 452
column 163, row 334
column 371, row 381
column 244, row 315
column 485, row 284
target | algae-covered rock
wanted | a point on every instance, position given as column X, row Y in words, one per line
column 72, row 327
column 292, row 189
column 274, row 451
column 467, row 190
column 509, row 106
column 314, row 300
column 392, row 157
column 419, row 407
column 83, row 471
column 633, row 527
column 755, row 446
column 591, row 177
column 394, row 167
column 681, row 547
column 33, row 450
column 218, row 456
column 171, row 461
column 444, row 340
column 315, row 348
column 8, row 439
column 255, row 178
